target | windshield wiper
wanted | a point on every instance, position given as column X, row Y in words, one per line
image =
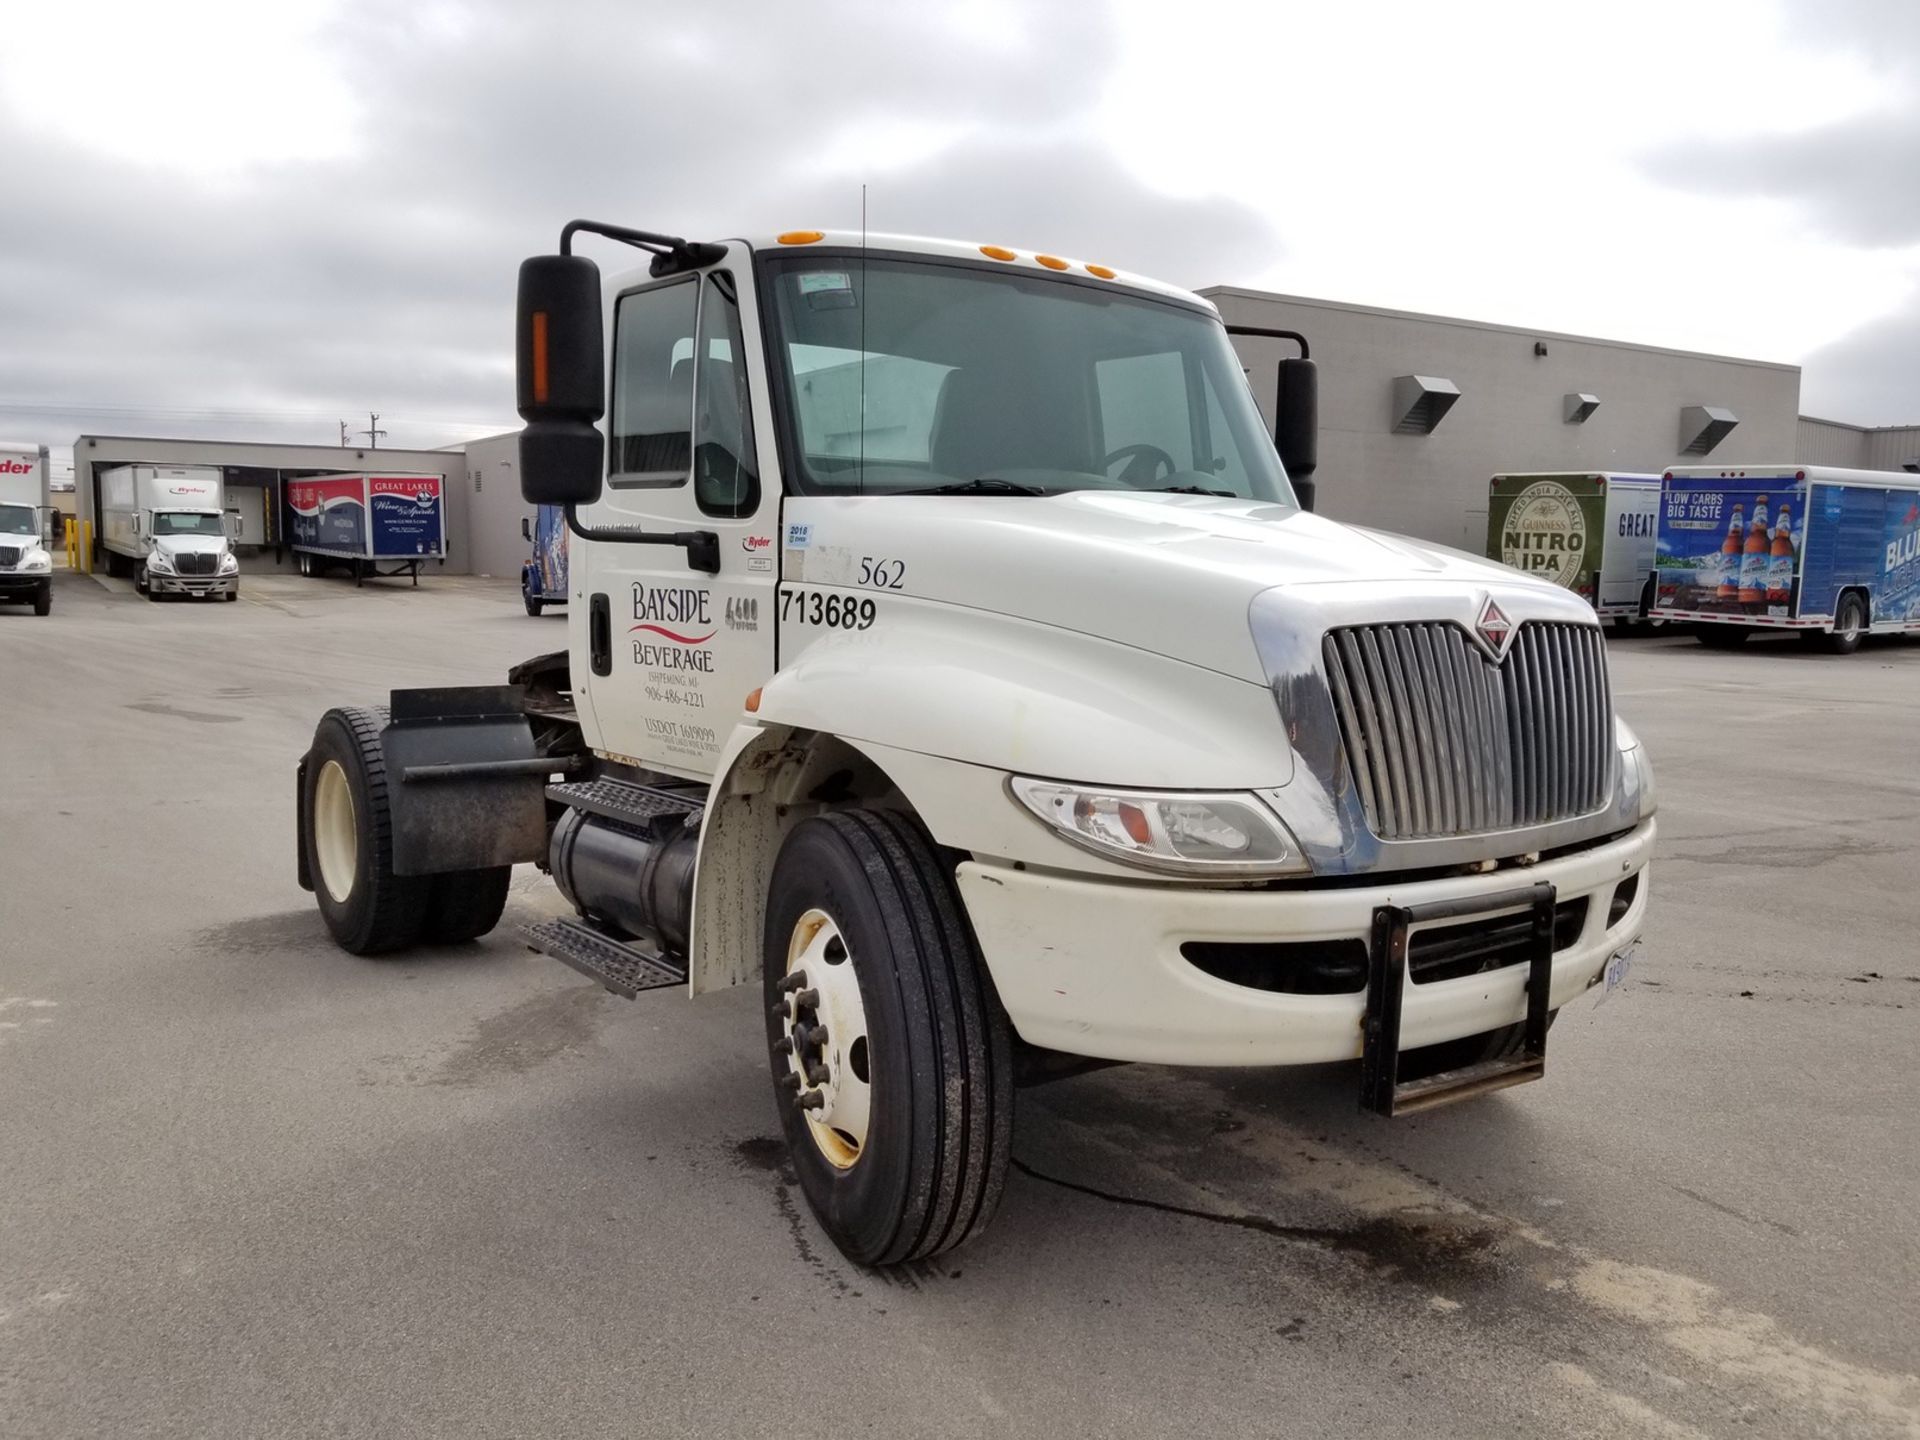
column 982, row 485
column 1187, row 490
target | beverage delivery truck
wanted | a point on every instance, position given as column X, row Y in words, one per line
column 166, row 526
column 26, row 567
column 1590, row 532
column 951, row 659
column 1828, row 553
column 543, row 575
column 364, row 522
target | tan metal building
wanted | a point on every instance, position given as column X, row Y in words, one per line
column 1858, row 447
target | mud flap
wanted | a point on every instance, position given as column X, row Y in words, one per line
column 467, row 782
column 1380, row 1089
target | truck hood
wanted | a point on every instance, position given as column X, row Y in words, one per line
column 1171, row 574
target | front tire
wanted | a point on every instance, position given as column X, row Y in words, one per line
column 892, row 1059
column 368, row 909
column 43, row 598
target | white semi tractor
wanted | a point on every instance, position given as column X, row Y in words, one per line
column 950, row 658
column 26, row 567
column 166, row 527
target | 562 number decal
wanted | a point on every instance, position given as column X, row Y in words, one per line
column 883, row 574
column 826, row 608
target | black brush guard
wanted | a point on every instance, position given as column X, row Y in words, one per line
column 1381, row 1090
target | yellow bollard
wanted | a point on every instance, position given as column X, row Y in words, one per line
column 86, row 546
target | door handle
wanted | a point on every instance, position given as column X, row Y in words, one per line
column 600, row 636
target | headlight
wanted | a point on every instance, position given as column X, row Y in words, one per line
column 1202, row 833
column 157, row 560
column 229, row 564
column 37, row 560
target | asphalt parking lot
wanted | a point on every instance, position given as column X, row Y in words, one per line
column 251, row 1186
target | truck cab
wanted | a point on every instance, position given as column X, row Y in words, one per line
column 26, row 567
column 952, row 658
column 165, row 527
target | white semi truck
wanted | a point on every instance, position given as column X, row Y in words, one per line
column 166, row 527
column 951, row 658
column 26, row 567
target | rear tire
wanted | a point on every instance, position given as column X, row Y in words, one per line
column 368, row 909
column 926, row 1077
column 465, row 905
column 1849, row 625
column 532, row 602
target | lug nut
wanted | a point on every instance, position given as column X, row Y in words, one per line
column 818, row 1074
column 784, row 1045
column 812, row 1100
column 792, row 982
column 788, row 1081
column 807, row 999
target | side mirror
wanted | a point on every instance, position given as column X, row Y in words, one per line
column 1296, row 424
column 526, row 529
column 560, row 375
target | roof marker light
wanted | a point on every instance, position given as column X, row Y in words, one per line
column 801, row 237
column 998, row 252
column 1105, row 272
column 1052, row 262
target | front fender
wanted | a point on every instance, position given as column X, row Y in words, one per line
column 1032, row 699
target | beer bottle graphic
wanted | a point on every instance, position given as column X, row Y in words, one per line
column 1728, row 570
column 1780, row 561
column 1756, row 557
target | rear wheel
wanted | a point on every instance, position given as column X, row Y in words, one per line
column 368, row 908
column 532, row 601
column 892, row 1059
column 1849, row 625
column 465, row 905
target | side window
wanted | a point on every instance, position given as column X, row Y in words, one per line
column 1144, row 401
column 726, row 474
column 653, row 353
column 1225, row 460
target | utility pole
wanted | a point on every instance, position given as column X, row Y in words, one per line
column 373, row 432
column 343, row 434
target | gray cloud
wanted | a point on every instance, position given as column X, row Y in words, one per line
column 385, row 281
column 1871, row 376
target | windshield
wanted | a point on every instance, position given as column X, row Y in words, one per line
column 18, row 520
column 912, row 375
column 186, row 522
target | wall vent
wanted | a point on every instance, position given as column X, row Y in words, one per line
column 1421, row 402
column 1704, row 426
column 1912, row 467
column 1579, row 407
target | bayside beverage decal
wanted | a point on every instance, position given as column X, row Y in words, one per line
column 673, row 625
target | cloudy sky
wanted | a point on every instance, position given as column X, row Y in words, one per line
column 242, row 220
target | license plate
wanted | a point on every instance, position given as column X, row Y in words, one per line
column 1618, row 967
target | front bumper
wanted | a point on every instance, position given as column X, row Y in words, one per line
column 1093, row 967
column 192, row 584
column 21, row 584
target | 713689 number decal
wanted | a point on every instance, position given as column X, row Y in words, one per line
column 826, row 608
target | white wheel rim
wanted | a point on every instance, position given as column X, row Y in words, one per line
column 821, row 992
column 336, row 841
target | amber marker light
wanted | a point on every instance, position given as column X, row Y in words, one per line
column 1103, row 271
column 801, row 237
column 540, row 357
column 1052, row 262
column 753, row 702
column 997, row 252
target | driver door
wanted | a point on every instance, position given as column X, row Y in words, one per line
column 673, row 652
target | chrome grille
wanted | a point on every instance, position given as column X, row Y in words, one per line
column 1442, row 741
column 10, row 554
column 202, row 563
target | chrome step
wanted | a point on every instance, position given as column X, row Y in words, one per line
column 623, row 968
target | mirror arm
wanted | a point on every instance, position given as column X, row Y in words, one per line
column 702, row 546
column 1293, row 335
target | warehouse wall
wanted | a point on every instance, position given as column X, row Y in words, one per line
column 494, row 506
column 1509, row 416
column 1859, row 447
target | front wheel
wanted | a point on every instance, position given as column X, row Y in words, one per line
column 892, row 1059
column 43, row 598
column 533, row 602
